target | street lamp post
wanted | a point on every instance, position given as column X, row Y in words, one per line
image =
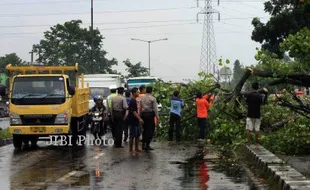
column 149, row 43
column 92, row 37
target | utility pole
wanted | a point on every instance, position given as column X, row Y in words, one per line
column 208, row 59
column 92, row 38
column 149, row 44
column 31, row 57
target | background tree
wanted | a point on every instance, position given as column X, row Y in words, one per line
column 287, row 17
column 11, row 58
column 237, row 73
column 68, row 44
column 135, row 70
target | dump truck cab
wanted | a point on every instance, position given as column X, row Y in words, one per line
column 43, row 103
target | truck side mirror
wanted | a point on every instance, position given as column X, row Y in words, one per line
column 71, row 91
column 2, row 90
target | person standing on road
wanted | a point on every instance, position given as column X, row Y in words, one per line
column 253, row 121
column 148, row 110
column 119, row 114
column 141, row 94
column 134, row 121
column 109, row 107
column 203, row 106
column 175, row 116
column 128, row 99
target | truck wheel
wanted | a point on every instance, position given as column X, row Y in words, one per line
column 17, row 141
column 34, row 141
column 83, row 131
column 73, row 130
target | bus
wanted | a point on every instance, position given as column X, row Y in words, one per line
column 138, row 81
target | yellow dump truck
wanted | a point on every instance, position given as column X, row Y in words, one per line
column 43, row 103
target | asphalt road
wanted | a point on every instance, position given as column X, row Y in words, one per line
column 104, row 167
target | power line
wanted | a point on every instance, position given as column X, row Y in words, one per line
column 80, row 13
column 118, row 35
column 131, row 27
column 226, row 31
column 236, row 10
column 129, row 22
column 105, row 29
column 101, row 23
column 149, row 22
column 48, row 2
column 85, row 1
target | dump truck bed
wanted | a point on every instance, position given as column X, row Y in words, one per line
column 80, row 102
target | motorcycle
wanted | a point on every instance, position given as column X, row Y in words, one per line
column 96, row 121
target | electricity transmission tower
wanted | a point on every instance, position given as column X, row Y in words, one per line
column 208, row 58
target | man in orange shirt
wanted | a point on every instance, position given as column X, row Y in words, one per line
column 202, row 105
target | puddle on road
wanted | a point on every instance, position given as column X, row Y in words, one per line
column 209, row 171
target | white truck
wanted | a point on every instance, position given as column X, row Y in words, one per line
column 99, row 85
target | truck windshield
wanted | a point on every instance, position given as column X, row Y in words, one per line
column 103, row 91
column 38, row 90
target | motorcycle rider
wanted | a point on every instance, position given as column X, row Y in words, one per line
column 99, row 106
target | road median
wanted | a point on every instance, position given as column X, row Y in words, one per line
column 273, row 167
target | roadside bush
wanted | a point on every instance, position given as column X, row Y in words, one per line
column 5, row 134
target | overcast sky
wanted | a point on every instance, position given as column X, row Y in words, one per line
column 121, row 20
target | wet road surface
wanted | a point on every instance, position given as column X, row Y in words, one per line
column 104, row 167
column 300, row 163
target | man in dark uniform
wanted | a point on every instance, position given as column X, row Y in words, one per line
column 148, row 109
column 119, row 114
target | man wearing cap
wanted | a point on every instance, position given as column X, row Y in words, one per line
column 119, row 114
column 109, row 106
column 148, row 110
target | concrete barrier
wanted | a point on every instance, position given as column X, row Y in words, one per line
column 287, row 177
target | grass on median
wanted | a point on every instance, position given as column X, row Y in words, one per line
column 5, row 134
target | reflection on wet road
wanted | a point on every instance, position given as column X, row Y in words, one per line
column 93, row 167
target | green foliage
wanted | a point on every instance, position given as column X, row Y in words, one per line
column 289, row 140
column 287, row 17
column 226, row 129
column 298, row 46
column 5, row 134
column 163, row 91
column 270, row 62
column 68, row 43
column 11, row 58
column 135, row 70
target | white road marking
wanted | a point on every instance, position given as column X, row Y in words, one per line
column 99, row 155
column 66, row 176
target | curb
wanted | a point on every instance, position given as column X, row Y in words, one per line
column 287, row 177
column 5, row 142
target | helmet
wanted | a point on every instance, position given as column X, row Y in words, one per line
column 98, row 97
